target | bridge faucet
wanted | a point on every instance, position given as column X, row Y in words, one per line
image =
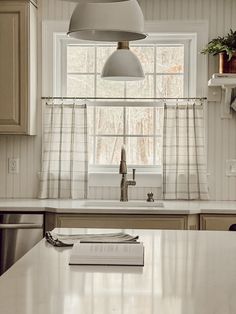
column 124, row 182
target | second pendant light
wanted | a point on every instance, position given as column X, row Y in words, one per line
column 123, row 65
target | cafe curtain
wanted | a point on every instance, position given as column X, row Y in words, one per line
column 64, row 169
column 184, row 160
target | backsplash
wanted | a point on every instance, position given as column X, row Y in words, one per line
column 221, row 132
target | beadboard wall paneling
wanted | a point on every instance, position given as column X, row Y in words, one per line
column 135, row 193
column 221, row 132
column 27, row 149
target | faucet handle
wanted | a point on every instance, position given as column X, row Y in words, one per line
column 134, row 170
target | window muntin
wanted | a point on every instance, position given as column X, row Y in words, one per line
column 139, row 128
column 163, row 66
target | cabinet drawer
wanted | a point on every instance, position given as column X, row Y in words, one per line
column 216, row 222
column 122, row 221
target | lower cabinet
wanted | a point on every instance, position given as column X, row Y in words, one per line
column 216, row 221
column 121, row 221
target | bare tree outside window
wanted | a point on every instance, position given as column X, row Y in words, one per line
column 139, row 128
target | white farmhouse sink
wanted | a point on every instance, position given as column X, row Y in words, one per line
column 113, row 203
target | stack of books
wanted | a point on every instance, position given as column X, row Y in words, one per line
column 108, row 249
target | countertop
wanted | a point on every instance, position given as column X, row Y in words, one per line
column 97, row 207
column 184, row 272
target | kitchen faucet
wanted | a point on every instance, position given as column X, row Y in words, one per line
column 124, row 182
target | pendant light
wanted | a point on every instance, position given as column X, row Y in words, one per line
column 94, row 1
column 123, row 65
column 116, row 21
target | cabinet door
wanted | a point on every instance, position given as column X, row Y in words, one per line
column 13, row 66
column 217, row 222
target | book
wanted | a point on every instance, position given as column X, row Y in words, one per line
column 70, row 239
column 107, row 253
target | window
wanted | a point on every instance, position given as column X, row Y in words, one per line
column 138, row 123
column 163, row 66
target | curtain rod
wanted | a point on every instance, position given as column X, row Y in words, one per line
column 121, row 98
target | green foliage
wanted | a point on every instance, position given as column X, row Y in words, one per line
column 222, row 44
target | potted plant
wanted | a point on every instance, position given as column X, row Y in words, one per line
column 225, row 47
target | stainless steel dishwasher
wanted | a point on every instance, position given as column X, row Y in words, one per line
column 18, row 234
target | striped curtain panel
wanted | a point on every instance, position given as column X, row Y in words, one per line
column 64, row 172
column 184, row 160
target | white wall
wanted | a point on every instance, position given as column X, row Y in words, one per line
column 221, row 132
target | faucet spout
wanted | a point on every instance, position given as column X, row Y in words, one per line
column 124, row 182
column 123, row 166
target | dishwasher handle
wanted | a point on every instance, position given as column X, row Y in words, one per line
column 21, row 226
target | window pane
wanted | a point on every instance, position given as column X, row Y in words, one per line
column 140, row 150
column 90, row 149
column 80, row 59
column 108, row 150
column 90, row 111
column 109, row 88
column 105, row 150
column 159, row 121
column 142, row 89
column 80, row 85
column 102, row 54
column 169, row 86
column 139, row 121
column 109, row 120
column 170, row 59
column 158, row 151
column 146, row 57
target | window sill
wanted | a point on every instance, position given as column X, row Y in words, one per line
column 111, row 179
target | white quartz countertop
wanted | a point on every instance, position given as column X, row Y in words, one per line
column 184, row 272
column 115, row 207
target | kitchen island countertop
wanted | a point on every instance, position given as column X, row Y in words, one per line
column 184, row 272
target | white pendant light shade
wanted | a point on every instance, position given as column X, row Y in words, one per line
column 123, row 65
column 94, row 1
column 117, row 21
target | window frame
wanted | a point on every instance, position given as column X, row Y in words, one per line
column 60, row 85
column 197, row 29
column 187, row 40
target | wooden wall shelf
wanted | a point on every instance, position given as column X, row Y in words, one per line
column 227, row 82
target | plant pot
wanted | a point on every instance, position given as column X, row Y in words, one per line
column 226, row 66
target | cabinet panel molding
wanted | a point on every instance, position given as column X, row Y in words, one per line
column 9, row 65
column 18, row 43
column 120, row 221
column 216, row 222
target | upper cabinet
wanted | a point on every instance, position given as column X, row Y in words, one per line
column 18, row 67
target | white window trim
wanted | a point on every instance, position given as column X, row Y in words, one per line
column 195, row 32
column 188, row 40
column 199, row 29
column 60, row 44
